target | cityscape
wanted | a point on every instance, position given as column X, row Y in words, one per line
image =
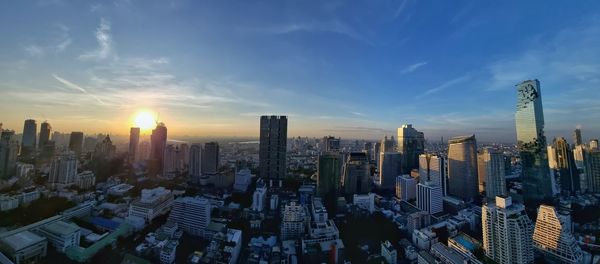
column 127, row 163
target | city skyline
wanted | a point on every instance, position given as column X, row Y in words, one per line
column 357, row 75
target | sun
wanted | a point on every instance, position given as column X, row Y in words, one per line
column 144, row 120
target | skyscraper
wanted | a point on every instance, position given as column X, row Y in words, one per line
column 330, row 144
column 411, row 144
column 531, row 142
column 594, row 144
column 553, row 237
column 273, row 147
column 210, row 158
column 566, row 169
column 389, row 167
column 592, row 170
column 170, row 161
column 432, row 168
column 328, row 175
column 105, row 149
column 387, row 145
column 406, row 187
column 158, row 143
column 45, row 129
column 134, row 141
column 577, row 137
column 507, row 232
column 462, row 167
column 492, row 167
column 9, row 148
column 355, row 174
column 29, row 135
column 63, row 168
column 76, row 142
column 429, row 197
column 195, row 163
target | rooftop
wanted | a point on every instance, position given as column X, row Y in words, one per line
column 22, row 240
column 61, row 228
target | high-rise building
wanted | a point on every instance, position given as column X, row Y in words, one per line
column 259, row 197
column 45, row 129
column 566, row 169
column 594, row 144
column 9, row 148
column 134, row 141
column 462, row 167
column 143, row 152
column 430, row 197
column 192, row 214
column 328, row 174
column 76, row 142
column 411, row 144
column 389, row 167
column 432, row 168
column 531, row 142
column 406, row 187
column 170, row 161
column 507, row 232
column 29, row 135
column 293, row 221
column 195, row 163
column 375, row 153
column 387, row 145
column 210, row 158
column 577, row 137
column 158, row 143
column 330, row 144
column 273, row 147
column 355, row 175
column 552, row 162
column 592, row 170
column 63, row 169
column 553, row 237
column 491, row 164
column 105, row 149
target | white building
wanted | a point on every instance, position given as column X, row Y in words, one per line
column 8, row 202
column 152, row 203
column 406, row 187
column 293, row 221
column 365, row 201
column 432, row 168
column 430, row 198
column 167, row 252
column 85, row 180
column 259, row 198
column 491, row 171
column 389, row 253
column 61, row 234
column 552, row 236
column 243, row 178
column 319, row 213
column 23, row 169
column 192, row 214
column 507, row 232
column 64, row 168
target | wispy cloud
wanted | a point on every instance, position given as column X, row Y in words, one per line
column 64, row 38
column 413, row 67
column 76, row 87
column 105, row 43
column 445, row 85
column 400, row 9
column 34, row 51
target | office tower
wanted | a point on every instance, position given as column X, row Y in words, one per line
column 76, row 142
column 195, row 163
column 105, row 149
column 406, row 187
column 594, row 144
column 9, row 148
column 328, row 174
column 375, row 153
column 45, row 129
column 192, row 214
column 158, row 143
column 592, row 171
column 330, row 144
column 134, row 140
column 143, row 152
column 565, row 166
column 368, row 148
column 411, row 144
column 507, row 232
column 432, row 168
column 184, row 156
column 552, row 162
column 491, row 165
column 577, row 137
column 210, row 158
column 170, row 161
column 387, row 145
column 531, row 142
column 89, row 143
column 355, row 175
column 553, row 237
column 462, row 167
column 29, row 135
column 293, row 219
column 429, row 197
column 389, row 168
column 273, row 147
column 63, row 168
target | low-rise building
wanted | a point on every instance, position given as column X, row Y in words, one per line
column 388, row 252
column 24, row 247
column 152, row 203
column 365, row 201
column 61, row 235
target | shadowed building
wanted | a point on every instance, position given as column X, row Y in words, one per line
column 462, row 167
column 273, row 147
column 29, row 134
column 134, row 140
column 158, row 143
column 411, row 144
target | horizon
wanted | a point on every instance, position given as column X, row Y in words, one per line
column 352, row 71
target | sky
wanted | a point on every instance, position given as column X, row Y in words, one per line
column 354, row 69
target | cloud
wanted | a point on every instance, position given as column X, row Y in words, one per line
column 64, row 40
column 105, row 43
column 34, row 51
column 400, row 8
column 413, row 67
column 445, row 85
column 76, row 87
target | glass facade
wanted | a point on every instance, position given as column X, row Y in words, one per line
column 537, row 183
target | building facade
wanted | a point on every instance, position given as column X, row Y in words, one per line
column 462, row 167
column 553, row 237
column 272, row 151
column 411, row 144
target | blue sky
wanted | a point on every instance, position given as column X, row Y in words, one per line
column 346, row 68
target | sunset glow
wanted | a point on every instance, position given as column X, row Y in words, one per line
column 144, row 120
